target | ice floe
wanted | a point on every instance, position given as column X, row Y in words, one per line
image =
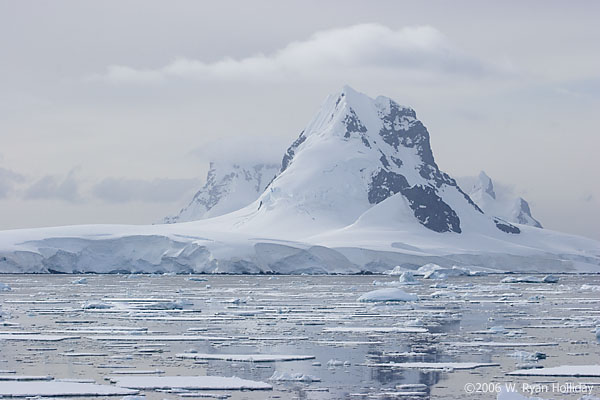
column 387, row 294
column 244, row 357
column 531, row 279
column 60, row 389
column 293, row 377
column 189, row 382
column 375, row 329
column 434, row 365
column 563, row 370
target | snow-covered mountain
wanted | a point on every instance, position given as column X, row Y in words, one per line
column 498, row 202
column 355, row 154
column 228, row 188
column 358, row 190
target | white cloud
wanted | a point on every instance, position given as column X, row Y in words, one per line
column 420, row 51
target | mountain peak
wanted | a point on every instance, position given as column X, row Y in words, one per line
column 228, row 187
column 356, row 153
column 485, row 184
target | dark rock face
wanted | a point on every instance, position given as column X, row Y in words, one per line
column 431, row 210
column 525, row 216
column 385, row 184
column 427, row 206
column 291, row 151
column 353, row 124
column 506, row 227
column 401, row 127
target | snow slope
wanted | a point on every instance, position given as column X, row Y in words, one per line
column 358, row 190
column 497, row 201
column 227, row 188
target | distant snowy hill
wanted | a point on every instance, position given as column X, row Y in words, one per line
column 227, row 188
column 498, row 202
column 358, row 190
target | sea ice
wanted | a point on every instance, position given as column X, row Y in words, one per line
column 60, row 389
column 189, row 382
column 293, row 377
column 563, row 370
column 244, row 357
column 388, row 294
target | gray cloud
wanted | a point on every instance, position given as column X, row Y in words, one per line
column 421, row 51
column 243, row 150
column 55, row 187
column 8, row 180
column 121, row 190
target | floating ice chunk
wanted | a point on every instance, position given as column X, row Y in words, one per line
column 527, row 356
column 334, row 363
column 550, row 279
column 4, row 287
column 407, row 278
column 530, row 279
column 501, row 344
column 157, row 338
column 528, row 365
column 292, row 377
column 444, row 273
column 189, row 382
column 497, row 329
column 428, row 268
column 138, row 372
column 563, row 370
column 24, row 378
column 590, row 287
column 96, row 305
column 168, row 305
column 73, row 354
column 82, row 281
column 244, row 357
column 197, row 279
column 36, row 338
column 375, row 329
column 433, row 365
column 398, row 270
column 60, row 389
column 388, row 294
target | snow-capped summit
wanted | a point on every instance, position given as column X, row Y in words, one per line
column 498, row 202
column 227, row 188
column 356, row 153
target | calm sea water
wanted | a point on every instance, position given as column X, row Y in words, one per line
column 111, row 314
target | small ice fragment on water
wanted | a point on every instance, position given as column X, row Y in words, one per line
column 398, row 270
column 81, row 281
column 527, row 356
column 334, row 363
column 388, row 294
column 497, row 329
column 293, row 377
column 4, row 287
column 407, row 278
column 95, row 305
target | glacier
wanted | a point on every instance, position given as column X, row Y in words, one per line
column 358, row 191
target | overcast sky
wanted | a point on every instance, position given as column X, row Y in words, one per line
column 111, row 110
